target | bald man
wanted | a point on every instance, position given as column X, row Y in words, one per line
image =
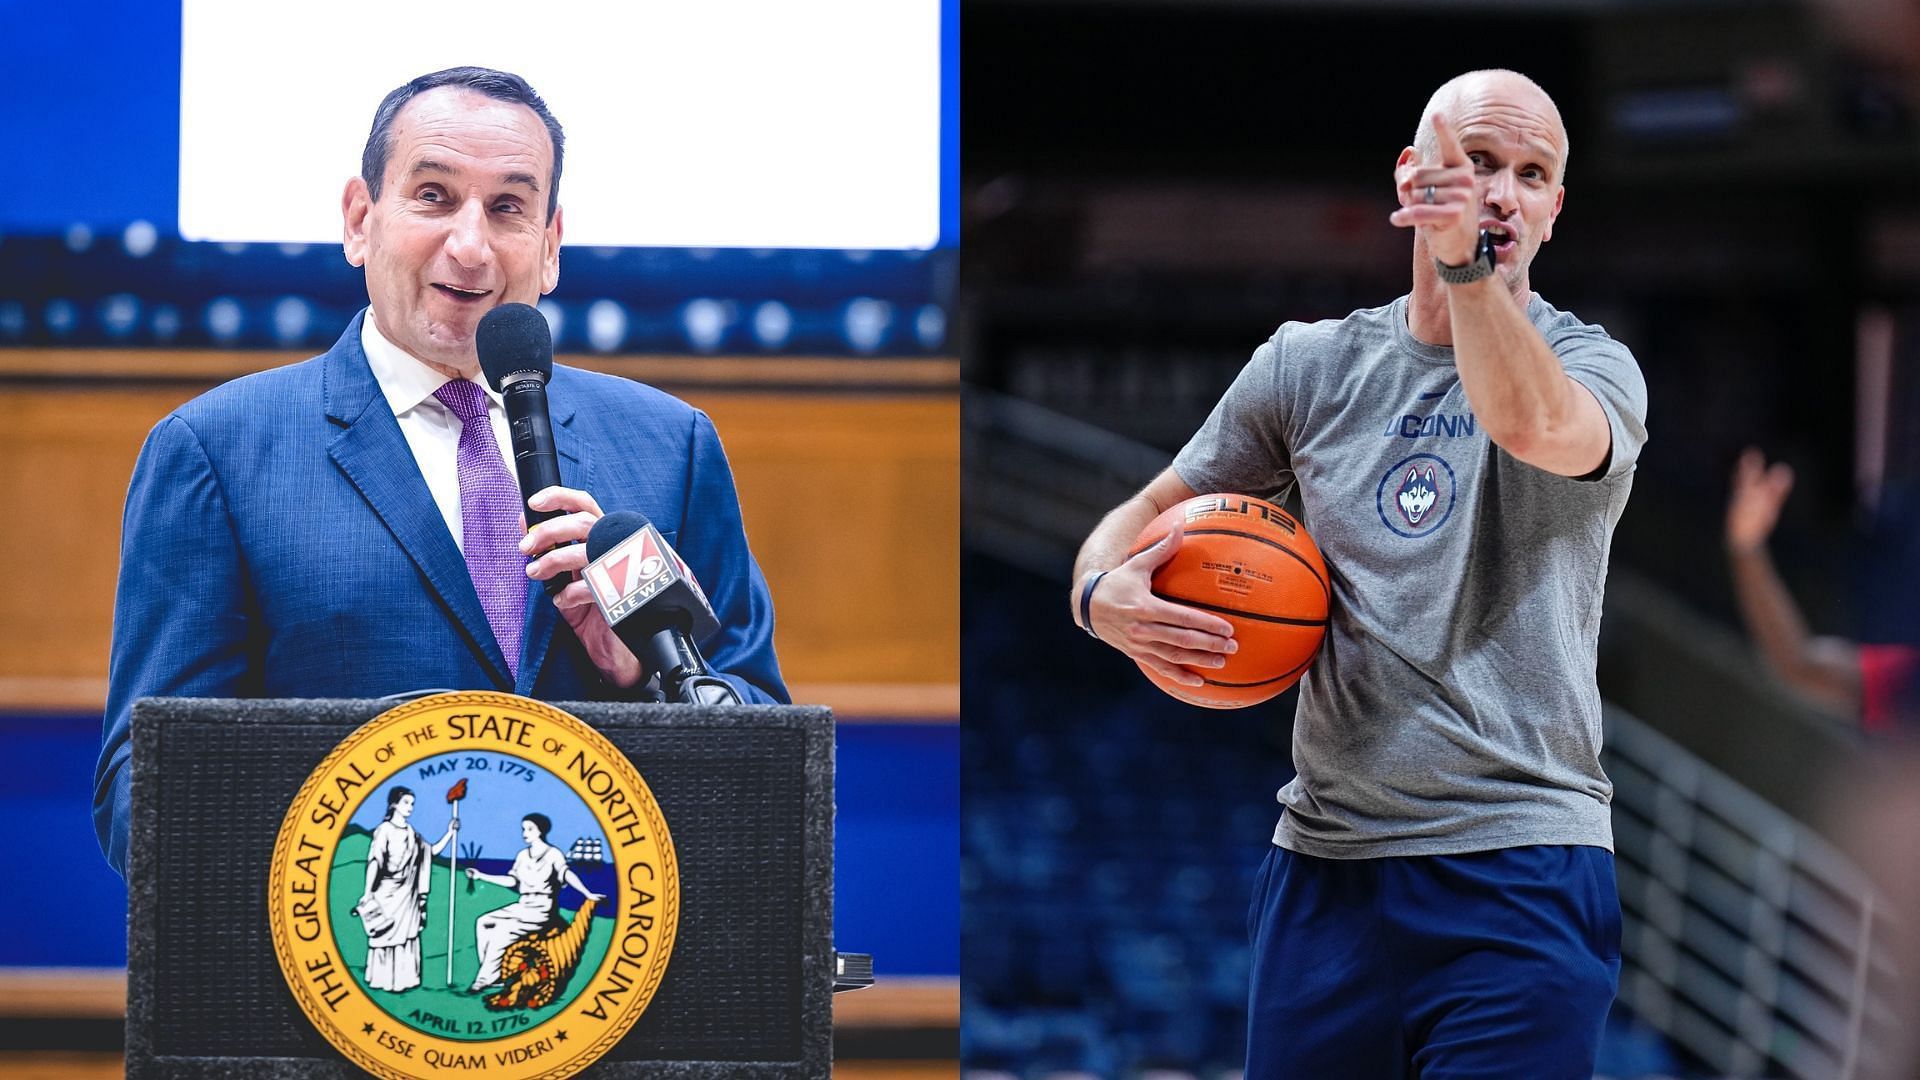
column 1440, row 899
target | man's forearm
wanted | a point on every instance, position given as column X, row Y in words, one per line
column 1517, row 387
column 1126, row 614
column 1106, row 547
column 1109, row 543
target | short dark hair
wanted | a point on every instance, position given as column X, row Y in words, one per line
column 499, row 85
column 394, row 795
column 540, row 822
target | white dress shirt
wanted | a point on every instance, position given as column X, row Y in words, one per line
column 431, row 429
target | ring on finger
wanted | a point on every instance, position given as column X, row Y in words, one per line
column 1429, row 194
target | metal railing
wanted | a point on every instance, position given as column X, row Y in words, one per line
column 1747, row 938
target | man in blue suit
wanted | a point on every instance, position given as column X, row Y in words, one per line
column 299, row 532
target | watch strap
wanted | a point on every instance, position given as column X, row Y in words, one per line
column 1480, row 267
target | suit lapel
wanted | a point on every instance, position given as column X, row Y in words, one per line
column 576, row 471
column 375, row 456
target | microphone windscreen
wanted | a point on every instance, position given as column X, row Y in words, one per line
column 611, row 529
column 512, row 339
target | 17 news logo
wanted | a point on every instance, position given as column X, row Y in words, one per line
column 631, row 574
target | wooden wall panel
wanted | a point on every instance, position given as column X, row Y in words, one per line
column 853, row 508
column 851, row 498
column 65, row 458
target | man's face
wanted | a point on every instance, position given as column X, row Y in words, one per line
column 460, row 226
column 1513, row 137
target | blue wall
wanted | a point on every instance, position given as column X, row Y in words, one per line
column 97, row 136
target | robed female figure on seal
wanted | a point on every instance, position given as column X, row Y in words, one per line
column 394, row 906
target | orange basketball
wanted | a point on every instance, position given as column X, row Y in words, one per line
column 1249, row 562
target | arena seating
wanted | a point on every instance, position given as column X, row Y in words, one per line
column 1107, row 852
column 1112, row 834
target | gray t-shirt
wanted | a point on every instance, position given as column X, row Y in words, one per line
column 1453, row 707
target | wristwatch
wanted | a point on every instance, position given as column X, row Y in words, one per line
column 1480, row 267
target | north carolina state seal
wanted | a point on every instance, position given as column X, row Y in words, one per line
column 474, row 883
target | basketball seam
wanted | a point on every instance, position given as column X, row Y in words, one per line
column 1204, row 606
column 1276, row 545
column 1302, row 666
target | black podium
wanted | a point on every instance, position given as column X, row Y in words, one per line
column 747, row 792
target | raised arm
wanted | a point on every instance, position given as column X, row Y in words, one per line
column 1827, row 670
column 1520, row 392
column 1527, row 403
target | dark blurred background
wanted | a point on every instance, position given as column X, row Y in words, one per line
column 1148, row 189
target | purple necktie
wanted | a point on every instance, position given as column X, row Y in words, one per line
column 490, row 512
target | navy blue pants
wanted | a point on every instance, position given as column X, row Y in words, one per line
column 1492, row 964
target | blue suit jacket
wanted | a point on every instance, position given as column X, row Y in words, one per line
column 279, row 541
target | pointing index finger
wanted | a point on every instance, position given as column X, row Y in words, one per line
column 1450, row 152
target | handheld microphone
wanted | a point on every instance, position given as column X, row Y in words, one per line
column 653, row 603
column 516, row 353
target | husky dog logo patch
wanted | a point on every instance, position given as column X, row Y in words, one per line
column 478, row 883
column 1416, row 495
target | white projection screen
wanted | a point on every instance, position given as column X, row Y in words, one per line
column 721, row 123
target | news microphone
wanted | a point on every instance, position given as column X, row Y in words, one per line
column 516, row 353
column 653, row 603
